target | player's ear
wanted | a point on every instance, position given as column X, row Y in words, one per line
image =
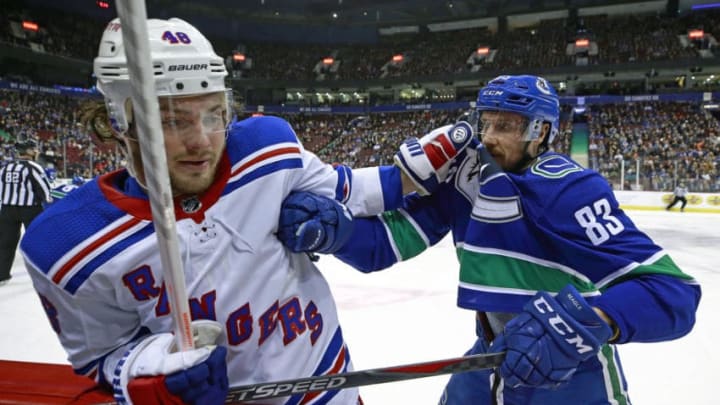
column 543, row 137
column 544, row 132
column 94, row 117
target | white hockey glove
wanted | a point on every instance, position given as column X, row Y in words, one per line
column 153, row 372
column 426, row 160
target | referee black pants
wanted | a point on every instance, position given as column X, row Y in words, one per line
column 12, row 217
column 683, row 200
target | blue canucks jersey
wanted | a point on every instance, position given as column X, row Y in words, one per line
column 59, row 192
column 553, row 224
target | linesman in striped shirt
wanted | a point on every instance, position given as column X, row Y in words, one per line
column 23, row 190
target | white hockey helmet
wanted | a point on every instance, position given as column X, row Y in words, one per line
column 184, row 63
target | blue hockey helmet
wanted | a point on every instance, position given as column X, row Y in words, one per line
column 78, row 180
column 50, row 172
column 530, row 96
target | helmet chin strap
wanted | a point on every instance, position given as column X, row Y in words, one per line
column 130, row 167
column 525, row 160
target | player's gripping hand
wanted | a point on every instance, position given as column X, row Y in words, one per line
column 312, row 223
column 548, row 340
column 154, row 373
column 426, row 160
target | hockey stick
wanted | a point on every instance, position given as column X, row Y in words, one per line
column 359, row 378
column 363, row 377
column 133, row 19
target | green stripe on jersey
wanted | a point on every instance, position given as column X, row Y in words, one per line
column 495, row 270
column 611, row 374
column 405, row 236
column 664, row 265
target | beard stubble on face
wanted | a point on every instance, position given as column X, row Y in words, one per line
column 192, row 161
column 184, row 183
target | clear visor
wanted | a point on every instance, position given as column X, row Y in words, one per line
column 207, row 114
column 505, row 125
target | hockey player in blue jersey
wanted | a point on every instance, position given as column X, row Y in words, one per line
column 61, row 191
column 557, row 273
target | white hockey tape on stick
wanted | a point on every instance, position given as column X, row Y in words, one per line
column 133, row 20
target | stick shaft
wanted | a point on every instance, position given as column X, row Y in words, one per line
column 133, row 18
column 364, row 377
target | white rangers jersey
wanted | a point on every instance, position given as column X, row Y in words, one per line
column 94, row 260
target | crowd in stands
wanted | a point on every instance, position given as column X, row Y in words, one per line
column 367, row 140
column 51, row 122
column 653, row 38
column 673, row 142
column 620, row 39
column 52, row 35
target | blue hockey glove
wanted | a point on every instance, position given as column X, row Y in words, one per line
column 154, row 373
column 426, row 160
column 547, row 341
column 312, row 223
column 488, row 166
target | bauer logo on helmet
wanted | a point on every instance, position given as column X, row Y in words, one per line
column 178, row 68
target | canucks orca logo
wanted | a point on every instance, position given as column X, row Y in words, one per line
column 543, row 85
column 554, row 167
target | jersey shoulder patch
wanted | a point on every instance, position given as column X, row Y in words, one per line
column 555, row 166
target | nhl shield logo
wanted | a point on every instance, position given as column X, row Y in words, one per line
column 191, row 205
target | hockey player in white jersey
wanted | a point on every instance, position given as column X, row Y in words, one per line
column 261, row 312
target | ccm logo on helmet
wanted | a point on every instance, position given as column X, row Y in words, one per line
column 178, row 68
column 492, row 93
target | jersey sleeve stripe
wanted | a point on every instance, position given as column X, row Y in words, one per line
column 407, row 238
column 83, row 273
column 519, row 271
column 659, row 263
column 269, row 168
column 335, row 360
column 65, row 266
column 386, row 223
column 263, row 157
column 322, row 397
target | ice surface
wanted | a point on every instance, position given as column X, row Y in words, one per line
column 407, row 314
